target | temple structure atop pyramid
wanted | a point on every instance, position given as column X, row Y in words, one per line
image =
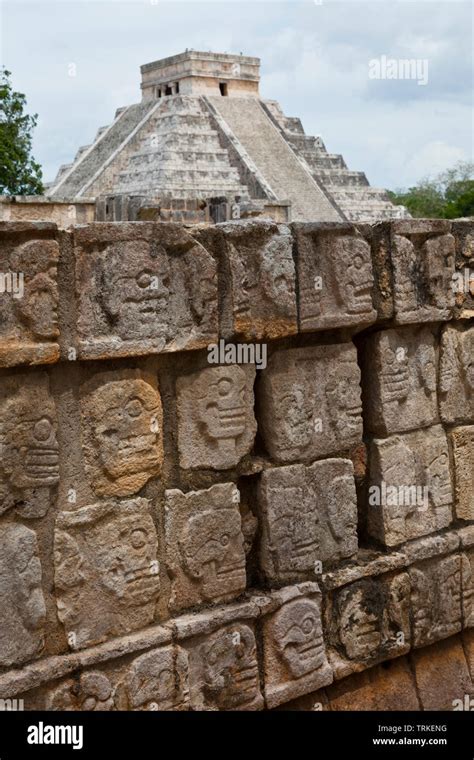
column 202, row 130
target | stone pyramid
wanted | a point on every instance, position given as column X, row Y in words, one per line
column 202, row 131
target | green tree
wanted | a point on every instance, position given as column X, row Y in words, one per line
column 19, row 172
column 448, row 195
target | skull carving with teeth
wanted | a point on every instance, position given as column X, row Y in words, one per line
column 230, row 670
column 122, row 422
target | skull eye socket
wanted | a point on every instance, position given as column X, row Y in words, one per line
column 134, row 407
column 42, row 429
column 307, row 625
column 143, row 280
column 138, row 538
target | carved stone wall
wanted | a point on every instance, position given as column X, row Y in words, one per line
column 288, row 526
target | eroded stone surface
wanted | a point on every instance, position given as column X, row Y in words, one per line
column 29, row 327
column 225, row 671
column 436, row 599
column 399, row 374
column 295, row 661
column 309, row 515
column 216, row 416
column 467, row 588
column 456, row 382
column 143, row 288
column 122, row 428
column 423, row 268
column 92, row 692
column 106, row 570
column 463, row 231
column 335, row 277
column 410, row 492
column 259, row 263
column 22, row 606
column 158, row 680
column 369, row 621
column 462, row 440
column 204, row 545
column 310, row 402
column 29, row 463
column 442, row 676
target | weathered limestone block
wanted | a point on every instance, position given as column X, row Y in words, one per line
column 436, row 599
column 204, row 545
column 260, row 272
column 158, row 680
column 463, row 231
column 462, row 441
column 92, row 692
column 295, row 661
column 423, row 268
column 122, row 431
column 29, row 327
column 310, row 402
column 399, row 380
column 442, row 676
column 386, row 687
column 309, row 515
column 216, row 422
column 410, row 492
column 29, row 462
column 106, row 570
column 22, row 607
column 467, row 588
column 143, row 288
column 456, row 382
column 335, row 278
column 224, row 670
column 368, row 622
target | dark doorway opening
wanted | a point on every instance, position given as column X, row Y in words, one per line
column 168, row 90
column 223, row 88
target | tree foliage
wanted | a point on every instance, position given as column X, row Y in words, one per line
column 19, row 172
column 448, row 195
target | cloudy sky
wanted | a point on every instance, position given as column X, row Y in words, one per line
column 78, row 60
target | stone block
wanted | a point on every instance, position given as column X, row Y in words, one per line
column 462, row 441
column 295, row 661
column 410, row 493
column 335, row 277
column 122, row 431
column 463, row 231
column 22, row 606
column 260, row 299
column 310, row 402
column 159, row 680
column 106, row 570
column 29, row 327
column 423, row 266
column 442, row 676
column 224, row 670
column 29, row 462
column 399, row 380
column 456, row 383
column 216, row 422
column 436, row 599
column 205, row 552
column 308, row 515
column 387, row 687
column 142, row 288
column 92, row 691
column 368, row 622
